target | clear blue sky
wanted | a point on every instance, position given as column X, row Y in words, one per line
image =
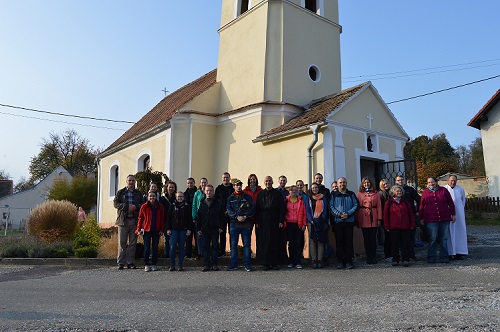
column 111, row 59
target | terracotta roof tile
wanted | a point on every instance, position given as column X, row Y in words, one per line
column 167, row 107
column 315, row 112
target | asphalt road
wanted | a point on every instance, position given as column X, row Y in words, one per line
column 460, row 296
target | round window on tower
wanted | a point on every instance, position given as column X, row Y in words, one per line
column 314, row 73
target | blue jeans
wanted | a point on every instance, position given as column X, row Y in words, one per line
column 155, row 238
column 177, row 239
column 246, row 233
column 437, row 231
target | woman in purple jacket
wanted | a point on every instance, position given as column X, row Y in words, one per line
column 436, row 211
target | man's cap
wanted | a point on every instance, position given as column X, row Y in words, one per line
column 236, row 181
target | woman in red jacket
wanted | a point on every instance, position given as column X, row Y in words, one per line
column 399, row 221
column 150, row 224
column 436, row 211
column 369, row 217
column 295, row 224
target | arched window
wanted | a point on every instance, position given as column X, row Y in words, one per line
column 311, row 5
column 114, row 183
column 144, row 161
column 316, row 6
column 242, row 6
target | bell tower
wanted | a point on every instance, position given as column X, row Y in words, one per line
column 285, row 51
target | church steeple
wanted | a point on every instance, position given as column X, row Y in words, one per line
column 278, row 50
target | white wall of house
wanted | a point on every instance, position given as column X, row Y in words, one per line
column 490, row 134
column 20, row 204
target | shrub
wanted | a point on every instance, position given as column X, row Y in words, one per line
column 88, row 235
column 32, row 247
column 53, row 215
column 86, row 252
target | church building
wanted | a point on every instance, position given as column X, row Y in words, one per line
column 274, row 105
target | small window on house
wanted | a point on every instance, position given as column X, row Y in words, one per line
column 114, row 176
column 314, row 73
column 311, row 5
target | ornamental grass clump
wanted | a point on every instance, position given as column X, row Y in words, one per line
column 53, row 221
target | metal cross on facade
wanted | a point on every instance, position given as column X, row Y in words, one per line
column 165, row 91
column 370, row 118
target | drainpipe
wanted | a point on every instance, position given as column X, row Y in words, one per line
column 314, row 129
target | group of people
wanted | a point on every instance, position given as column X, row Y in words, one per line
column 196, row 222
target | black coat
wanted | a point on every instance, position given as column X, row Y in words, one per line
column 209, row 218
column 270, row 212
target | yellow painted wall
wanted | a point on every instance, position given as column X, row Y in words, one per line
column 241, row 63
column 352, row 139
column 357, row 110
column 206, row 102
column 388, row 146
column 203, row 155
column 312, row 42
column 128, row 165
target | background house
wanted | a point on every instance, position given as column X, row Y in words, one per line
column 20, row 204
column 473, row 185
column 487, row 120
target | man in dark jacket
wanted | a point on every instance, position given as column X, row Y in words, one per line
column 343, row 206
column 127, row 202
column 222, row 192
column 188, row 197
column 240, row 208
column 270, row 216
column 209, row 226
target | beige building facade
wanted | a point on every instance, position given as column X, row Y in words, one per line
column 273, row 106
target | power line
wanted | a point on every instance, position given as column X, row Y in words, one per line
column 420, row 74
column 62, row 114
column 447, row 89
column 72, row 123
column 425, row 69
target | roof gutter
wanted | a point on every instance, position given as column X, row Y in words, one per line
column 315, row 130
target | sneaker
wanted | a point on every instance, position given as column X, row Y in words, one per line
column 232, row 268
column 349, row 266
column 406, row 263
column 131, row 266
column 298, row 266
column 180, row 268
column 340, row 266
column 215, row 268
column 320, row 265
column 147, row 268
column 289, row 266
column 154, row 268
column 120, row 266
column 172, row 268
column 248, row 268
column 205, row 269
column 395, row 263
column 315, row 265
column 388, row 259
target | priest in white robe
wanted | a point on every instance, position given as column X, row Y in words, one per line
column 457, row 241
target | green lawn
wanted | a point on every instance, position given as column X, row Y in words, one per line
column 482, row 219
